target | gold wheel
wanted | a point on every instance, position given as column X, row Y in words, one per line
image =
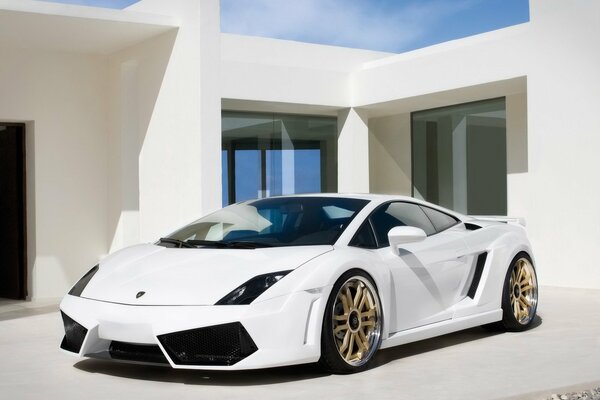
column 523, row 291
column 356, row 321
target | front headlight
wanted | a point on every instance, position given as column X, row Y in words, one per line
column 79, row 286
column 249, row 291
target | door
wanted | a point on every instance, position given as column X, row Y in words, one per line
column 428, row 276
column 12, row 211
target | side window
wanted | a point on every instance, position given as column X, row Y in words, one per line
column 364, row 237
column 440, row 220
column 399, row 214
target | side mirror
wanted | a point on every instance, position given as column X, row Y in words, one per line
column 400, row 235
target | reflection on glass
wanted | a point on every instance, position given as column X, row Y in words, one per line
column 270, row 155
column 291, row 221
column 293, row 171
column 459, row 157
column 247, row 164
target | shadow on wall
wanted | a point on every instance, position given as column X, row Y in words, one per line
column 516, row 134
column 138, row 74
column 389, row 155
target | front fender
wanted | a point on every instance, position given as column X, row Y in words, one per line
column 320, row 274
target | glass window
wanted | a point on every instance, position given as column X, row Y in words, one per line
column 399, row 214
column 272, row 154
column 279, row 221
column 459, row 157
column 364, row 237
column 440, row 220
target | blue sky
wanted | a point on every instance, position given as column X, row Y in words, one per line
column 386, row 25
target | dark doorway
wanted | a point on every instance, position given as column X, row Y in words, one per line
column 12, row 212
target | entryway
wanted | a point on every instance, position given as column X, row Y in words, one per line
column 13, row 271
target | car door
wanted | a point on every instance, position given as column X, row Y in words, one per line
column 429, row 276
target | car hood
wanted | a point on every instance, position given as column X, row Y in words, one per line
column 173, row 276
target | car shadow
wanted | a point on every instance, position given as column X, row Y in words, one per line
column 410, row 349
column 257, row 377
column 270, row 376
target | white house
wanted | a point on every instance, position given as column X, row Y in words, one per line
column 117, row 126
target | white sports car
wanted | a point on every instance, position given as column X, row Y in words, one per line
column 301, row 279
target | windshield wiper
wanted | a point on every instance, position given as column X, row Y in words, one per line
column 239, row 244
column 177, row 242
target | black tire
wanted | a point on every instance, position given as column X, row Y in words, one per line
column 509, row 320
column 331, row 359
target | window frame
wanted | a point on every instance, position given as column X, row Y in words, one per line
column 370, row 223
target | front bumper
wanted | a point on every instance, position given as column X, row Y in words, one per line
column 285, row 330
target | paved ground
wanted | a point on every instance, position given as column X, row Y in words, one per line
column 561, row 354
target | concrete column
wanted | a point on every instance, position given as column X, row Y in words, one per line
column 353, row 151
column 180, row 153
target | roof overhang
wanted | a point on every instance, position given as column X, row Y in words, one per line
column 30, row 24
column 460, row 95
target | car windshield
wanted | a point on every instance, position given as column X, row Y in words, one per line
column 281, row 221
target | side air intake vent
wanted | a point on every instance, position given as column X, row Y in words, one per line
column 472, row 227
column 74, row 334
column 214, row 345
column 477, row 275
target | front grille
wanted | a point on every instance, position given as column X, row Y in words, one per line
column 213, row 345
column 74, row 334
column 147, row 353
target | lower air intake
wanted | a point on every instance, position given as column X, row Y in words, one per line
column 144, row 353
column 224, row 344
column 74, row 334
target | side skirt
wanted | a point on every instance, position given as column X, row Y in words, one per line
column 441, row 328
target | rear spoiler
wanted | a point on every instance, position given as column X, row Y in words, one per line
column 494, row 218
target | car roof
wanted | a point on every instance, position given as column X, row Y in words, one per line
column 375, row 198
column 364, row 196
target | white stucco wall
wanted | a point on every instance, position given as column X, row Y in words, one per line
column 263, row 69
column 62, row 97
column 165, row 125
column 563, row 141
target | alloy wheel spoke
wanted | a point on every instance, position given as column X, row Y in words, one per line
column 359, row 342
column 350, row 347
column 363, row 301
column 340, row 328
column 358, row 296
column 369, row 313
column 526, row 288
column 345, row 304
column 345, row 342
column 519, row 273
column 363, row 339
column 349, row 296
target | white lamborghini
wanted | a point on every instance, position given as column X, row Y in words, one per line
column 301, row 279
